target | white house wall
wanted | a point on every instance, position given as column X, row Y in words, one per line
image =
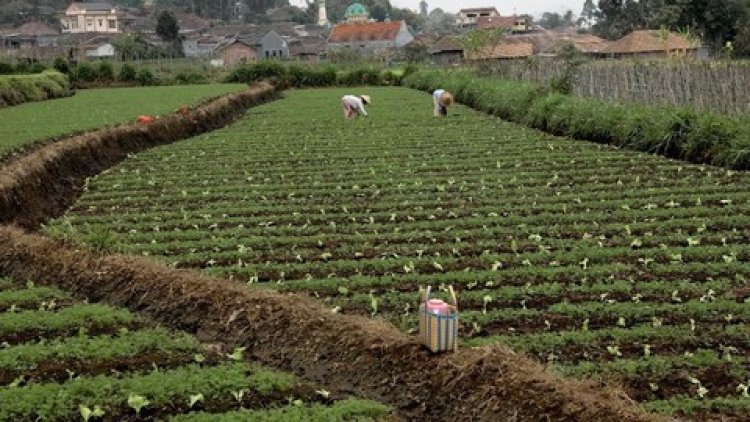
column 76, row 22
column 404, row 36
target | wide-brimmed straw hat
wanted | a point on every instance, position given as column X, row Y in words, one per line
column 446, row 99
column 366, row 98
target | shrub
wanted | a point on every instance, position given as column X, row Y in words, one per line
column 190, row 78
column 85, row 72
column 146, row 77
column 37, row 68
column 61, row 65
column 105, row 72
column 6, row 68
column 21, row 68
column 127, row 73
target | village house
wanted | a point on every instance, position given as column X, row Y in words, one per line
column 308, row 48
column 447, row 51
column 90, row 17
column 508, row 23
column 469, row 17
column 30, row 35
column 650, row 44
column 200, row 46
column 235, row 53
column 370, row 37
column 250, row 44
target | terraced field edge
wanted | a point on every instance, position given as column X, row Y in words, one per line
column 42, row 184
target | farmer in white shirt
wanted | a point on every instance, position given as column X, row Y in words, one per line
column 354, row 105
column 441, row 99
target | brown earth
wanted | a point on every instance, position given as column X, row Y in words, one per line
column 347, row 354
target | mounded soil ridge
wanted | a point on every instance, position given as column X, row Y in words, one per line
column 42, row 184
column 348, row 354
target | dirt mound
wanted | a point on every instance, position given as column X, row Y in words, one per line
column 44, row 183
column 351, row 354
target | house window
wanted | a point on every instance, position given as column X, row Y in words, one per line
column 268, row 54
column 89, row 23
column 74, row 24
column 112, row 24
column 484, row 14
column 101, row 22
column 471, row 15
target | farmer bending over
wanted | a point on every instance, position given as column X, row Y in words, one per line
column 354, row 105
column 441, row 99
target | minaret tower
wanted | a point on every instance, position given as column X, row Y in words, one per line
column 423, row 8
column 322, row 16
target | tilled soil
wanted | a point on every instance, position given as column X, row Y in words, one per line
column 347, row 354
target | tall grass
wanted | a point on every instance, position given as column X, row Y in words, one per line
column 18, row 89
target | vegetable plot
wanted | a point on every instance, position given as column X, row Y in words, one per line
column 93, row 108
column 602, row 262
column 71, row 361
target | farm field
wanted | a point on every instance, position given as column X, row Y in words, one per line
column 64, row 360
column 93, row 108
column 604, row 263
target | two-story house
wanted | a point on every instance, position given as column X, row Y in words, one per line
column 90, row 17
column 468, row 17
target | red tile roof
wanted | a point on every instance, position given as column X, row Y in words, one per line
column 506, row 22
column 506, row 49
column 35, row 29
column 370, row 31
column 447, row 43
column 649, row 41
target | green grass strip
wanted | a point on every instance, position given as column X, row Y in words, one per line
column 30, row 122
column 71, row 317
column 60, row 401
column 345, row 410
column 652, row 366
column 6, row 283
column 129, row 343
column 739, row 406
column 26, row 298
column 547, row 341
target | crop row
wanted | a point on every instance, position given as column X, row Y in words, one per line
column 575, row 253
column 92, row 362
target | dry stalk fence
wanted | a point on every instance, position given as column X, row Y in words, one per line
column 721, row 86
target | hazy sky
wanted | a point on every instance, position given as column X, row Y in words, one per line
column 505, row 7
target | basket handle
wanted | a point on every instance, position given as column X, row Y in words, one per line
column 453, row 296
column 426, row 294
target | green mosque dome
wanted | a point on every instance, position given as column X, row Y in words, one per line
column 355, row 9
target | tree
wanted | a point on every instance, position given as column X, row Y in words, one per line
column 166, row 26
column 588, row 14
column 438, row 21
column 481, row 42
column 551, row 20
